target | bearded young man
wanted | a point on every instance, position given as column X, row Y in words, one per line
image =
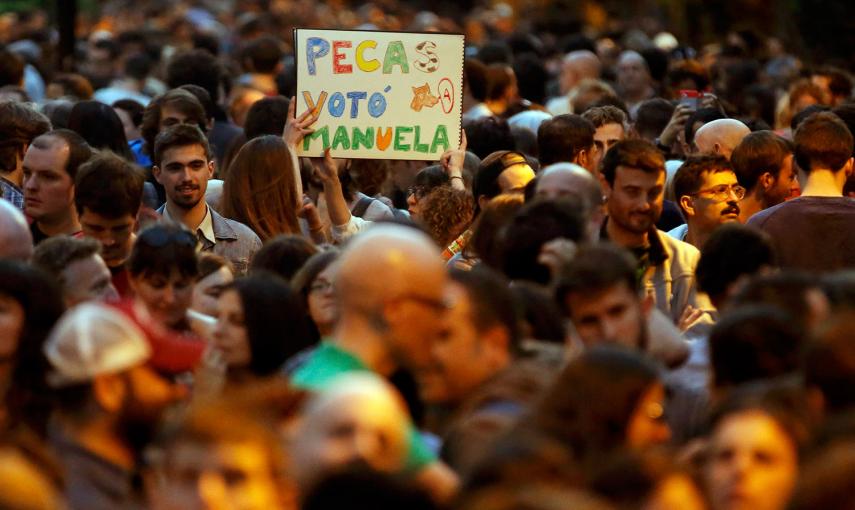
column 633, row 178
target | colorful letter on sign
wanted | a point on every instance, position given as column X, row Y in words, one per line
column 380, row 95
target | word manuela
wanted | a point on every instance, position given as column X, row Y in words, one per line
column 400, row 138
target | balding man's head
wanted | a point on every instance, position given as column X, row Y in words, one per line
column 571, row 180
column 394, row 277
column 568, row 179
column 720, row 136
column 633, row 75
column 16, row 241
column 381, row 262
column 365, row 406
column 577, row 66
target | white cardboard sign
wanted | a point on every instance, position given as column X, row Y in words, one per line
column 380, row 95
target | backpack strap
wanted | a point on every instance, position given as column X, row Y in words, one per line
column 361, row 206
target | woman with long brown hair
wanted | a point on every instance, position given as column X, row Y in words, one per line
column 262, row 189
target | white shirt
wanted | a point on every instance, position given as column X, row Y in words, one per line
column 205, row 228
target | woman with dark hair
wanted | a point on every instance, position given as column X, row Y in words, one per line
column 534, row 226
column 607, row 399
column 30, row 304
column 426, row 180
column 101, row 127
column 487, row 229
column 313, row 282
column 446, row 213
column 283, row 255
column 261, row 324
column 162, row 271
column 215, row 272
column 754, row 447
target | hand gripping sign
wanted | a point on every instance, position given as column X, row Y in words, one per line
column 380, row 95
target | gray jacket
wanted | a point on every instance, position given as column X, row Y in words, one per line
column 236, row 242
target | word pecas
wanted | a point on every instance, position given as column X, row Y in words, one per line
column 398, row 138
column 342, row 55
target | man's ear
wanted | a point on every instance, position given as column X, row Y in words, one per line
column 496, row 342
column 583, row 158
column 717, row 148
column 604, row 184
column 687, row 205
column 109, row 391
column 483, row 201
column 767, row 180
column 211, row 169
column 847, row 168
column 247, row 64
column 647, row 304
column 156, row 171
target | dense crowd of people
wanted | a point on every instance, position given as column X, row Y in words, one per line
column 630, row 287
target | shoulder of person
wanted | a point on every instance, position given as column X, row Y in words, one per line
column 236, row 229
column 681, row 251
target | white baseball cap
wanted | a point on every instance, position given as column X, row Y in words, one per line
column 90, row 340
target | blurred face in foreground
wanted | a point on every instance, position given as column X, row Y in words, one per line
column 206, row 292
column 230, row 335
column 614, row 315
column 752, row 464
column 223, row 475
column 88, row 279
column 647, row 426
column 357, row 424
column 462, row 358
column 166, row 298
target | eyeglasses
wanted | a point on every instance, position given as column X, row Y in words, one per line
column 320, row 286
column 158, row 237
column 418, row 191
column 722, row 192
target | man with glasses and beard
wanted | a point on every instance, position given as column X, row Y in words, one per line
column 109, row 401
column 708, row 194
column 390, row 290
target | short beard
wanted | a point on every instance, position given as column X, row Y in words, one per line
column 186, row 206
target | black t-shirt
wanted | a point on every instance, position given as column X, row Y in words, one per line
column 38, row 235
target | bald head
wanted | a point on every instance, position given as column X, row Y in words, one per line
column 366, row 409
column 631, row 57
column 569, row 179
column 577, row 66
column 633, row 75
column 386, row 261
column 720, row 136
column 16, row 241
column 391, row 286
